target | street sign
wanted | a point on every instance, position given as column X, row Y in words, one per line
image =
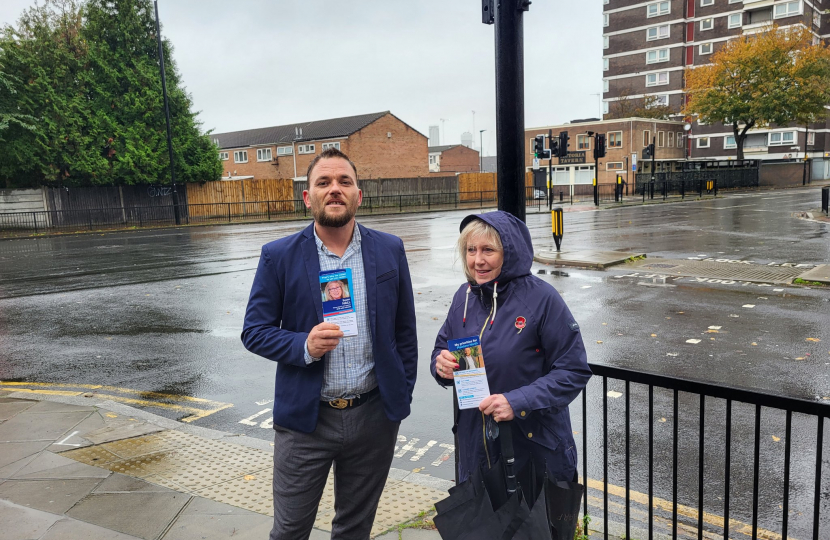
column 535, row 163
column 573, row 158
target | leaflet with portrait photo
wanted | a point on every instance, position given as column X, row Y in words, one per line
column 471, row 385
column 336, row 293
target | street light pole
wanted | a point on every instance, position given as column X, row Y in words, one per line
column 167, row 119
column 510, row 113
column 481, row 150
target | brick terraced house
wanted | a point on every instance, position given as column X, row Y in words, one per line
column 380, row 144
column 647, row 46
column 453, row 158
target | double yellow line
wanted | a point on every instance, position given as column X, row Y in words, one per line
column 196, row 407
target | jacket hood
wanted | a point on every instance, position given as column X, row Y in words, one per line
column 515, row 238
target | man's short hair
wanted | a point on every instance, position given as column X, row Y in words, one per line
column 329, row 153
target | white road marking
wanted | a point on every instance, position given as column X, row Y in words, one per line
column 250, row 420
column 64, row 443
column 445, row 455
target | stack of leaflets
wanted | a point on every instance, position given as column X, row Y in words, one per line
column 471, row 378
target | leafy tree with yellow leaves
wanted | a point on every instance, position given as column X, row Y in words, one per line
column 777, row 76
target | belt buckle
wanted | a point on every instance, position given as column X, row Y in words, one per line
column 339, row 403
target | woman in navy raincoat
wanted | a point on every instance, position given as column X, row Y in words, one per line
column 532, row 348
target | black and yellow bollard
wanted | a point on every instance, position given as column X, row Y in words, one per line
column 557, row 224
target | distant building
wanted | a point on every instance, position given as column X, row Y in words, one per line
column 453, row 158
column 434, row 136
column 624, row 142
column 467, row 139
column 380, row 144
column 488, row 164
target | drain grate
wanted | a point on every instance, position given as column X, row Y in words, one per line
column 721, row 270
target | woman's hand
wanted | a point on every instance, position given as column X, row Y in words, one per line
column 497, row 406
column 445, row 364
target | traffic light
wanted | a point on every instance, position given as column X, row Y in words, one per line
column 599, row 146
column 562, row 148
column 554, row 147
column 539, row 146
column 648, row 151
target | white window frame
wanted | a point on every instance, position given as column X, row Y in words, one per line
column 662, row 100
column 433, row 159
column 704, row 3
column 239, row 154
column 586, row 145
column 605, row 42
column 619, row 139
column 305, row 149
column 606, row 64
column 661, row 139
column 703, row 142
column 709, row 47
column 326, row 145
column 811, row 138
column 787, row 13
column 660, row 55
column 606, row 85
column 680, row 136
column 657, row 78
column 727, row 145
column 659, row 12
column 710, row 21
column 781, row 141
column 605, row 20
column 223, row 156
column 285, row 151
column 670, row 139
column 608, row 166
column 646, row 137
column 263, row 154
column 740, row 22
column 606, row 107
column 657, row 34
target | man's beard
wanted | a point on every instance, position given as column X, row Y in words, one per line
column 325, row 220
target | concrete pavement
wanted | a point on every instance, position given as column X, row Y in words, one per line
column 108, row 471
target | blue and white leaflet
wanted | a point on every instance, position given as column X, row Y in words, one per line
column 338, row 307
column 471, row 378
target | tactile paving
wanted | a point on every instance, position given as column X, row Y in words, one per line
column 235, row 475
column 722, row 270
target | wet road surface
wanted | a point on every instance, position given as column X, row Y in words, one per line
column 159, row 312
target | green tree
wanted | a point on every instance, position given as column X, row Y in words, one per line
column 773, row 77
column 90, row 75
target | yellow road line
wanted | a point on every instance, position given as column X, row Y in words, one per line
column 161, row 400
column 682, row 510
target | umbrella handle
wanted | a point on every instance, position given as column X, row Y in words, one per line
column 508, row 455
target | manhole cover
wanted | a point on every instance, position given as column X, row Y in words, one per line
column 721, row 270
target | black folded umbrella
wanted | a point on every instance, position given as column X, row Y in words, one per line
column 498, row 504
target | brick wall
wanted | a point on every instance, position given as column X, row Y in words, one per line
column 781, row 174
column 459, row 159
column 404, row 154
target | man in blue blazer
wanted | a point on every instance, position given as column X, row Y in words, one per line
column 337, row 400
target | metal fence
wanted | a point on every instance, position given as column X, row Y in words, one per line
column 726, row 178
column 144, row 216
column 710, row 425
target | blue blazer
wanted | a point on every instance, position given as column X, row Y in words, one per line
column 285, row 304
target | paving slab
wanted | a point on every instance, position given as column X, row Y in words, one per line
column 55, row 406
column 820, row 274
column 21, row 523
column 145, row 515
column 10, row 407
column 123, row 430
column 13, row 452
column 72, row 529
column 53, row 496
column 47, row 465
column 720, row 269
column 585, row 258
column 206, row 519
column 120, row 483
column 28, row 426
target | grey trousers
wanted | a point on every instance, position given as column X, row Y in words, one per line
column 359, row 442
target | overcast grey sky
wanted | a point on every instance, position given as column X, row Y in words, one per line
column 259, row 63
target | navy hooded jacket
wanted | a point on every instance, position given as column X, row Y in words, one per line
column 539, row 368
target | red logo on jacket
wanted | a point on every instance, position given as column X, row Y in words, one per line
column 520, row 323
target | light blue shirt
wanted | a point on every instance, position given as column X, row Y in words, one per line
column 349, row 368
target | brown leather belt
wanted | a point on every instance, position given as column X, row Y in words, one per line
column 341, row 403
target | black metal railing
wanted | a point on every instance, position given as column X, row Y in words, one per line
column 718, row 494
column 144, row 216
column 726, row 177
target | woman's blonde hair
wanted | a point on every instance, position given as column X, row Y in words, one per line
column 343, row 288
column 477, row 229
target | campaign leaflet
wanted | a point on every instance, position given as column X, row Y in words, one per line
column 471, row 378
column 338, row 307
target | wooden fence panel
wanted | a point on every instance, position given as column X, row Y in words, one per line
column 211, row 198
column 475, row 186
